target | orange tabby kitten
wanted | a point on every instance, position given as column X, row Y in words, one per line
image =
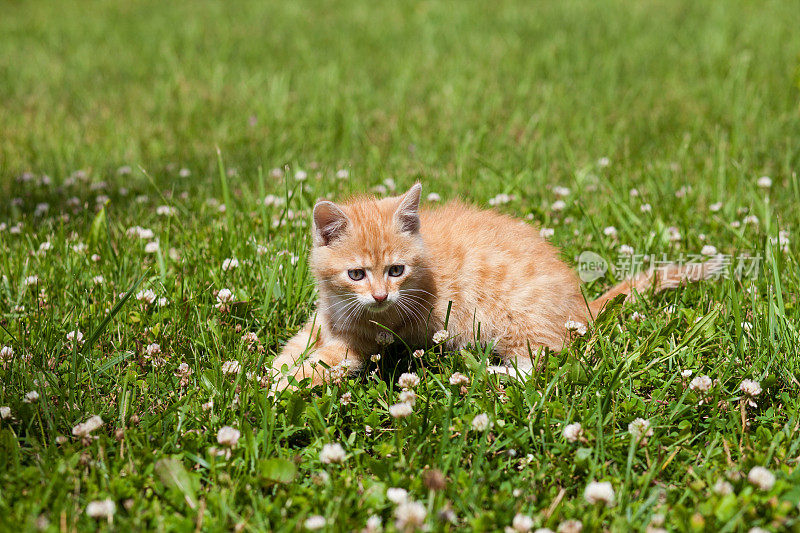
column 384, row 264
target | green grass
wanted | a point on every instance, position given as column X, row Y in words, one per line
column 473, row 100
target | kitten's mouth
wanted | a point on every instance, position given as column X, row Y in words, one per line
column 379, row 307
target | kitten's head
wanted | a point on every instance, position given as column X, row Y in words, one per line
column 368, row 255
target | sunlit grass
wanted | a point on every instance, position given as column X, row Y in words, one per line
column 658, row 118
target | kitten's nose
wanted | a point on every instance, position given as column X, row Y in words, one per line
column 380, row 297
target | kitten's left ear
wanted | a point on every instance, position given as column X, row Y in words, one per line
column 407, row 213
column 330, row 223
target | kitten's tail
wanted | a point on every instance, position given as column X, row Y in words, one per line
column 659, row 279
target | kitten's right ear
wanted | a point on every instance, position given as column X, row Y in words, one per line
column 330, row 223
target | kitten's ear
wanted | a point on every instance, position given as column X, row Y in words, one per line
column 330, row 223
column 407, row 213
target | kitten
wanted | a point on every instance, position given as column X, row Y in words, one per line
column 385, row 265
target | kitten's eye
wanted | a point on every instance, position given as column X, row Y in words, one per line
column 396, row 270
column 357, row 274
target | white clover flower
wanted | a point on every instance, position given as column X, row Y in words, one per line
column 165, row 210
column 558, row 205
column 570, row 526
column 546, row 233
column 400, row 410
column 45, row 246
column 701, row 384
column 674, row 234
column 84, row 429
column 640, row 428
column 384, row 338
column 184, row 173
column 543, row 530
column 151, row 247
column 75, row 337
column 501, row 199
column 6, row 353
column 148, row 296
column 396, row 495
column 31, row 280
column 722, row 487
column 522, row 523
column 715, row 207
column 408, row 380
column 750, row 219
column 161, row 302
column 709, row 250
column 636, row 316
column 603, row 162
column 228, row 436
column 410, row 515
column 599, row 492
column 332, row 453
column 686, row 374
column 373, row 524
column 417, row 354
column 409, row 397
column 434, row 197
column 230, row 264
column 231, row 367
column 152, row 349
column 440, row 336
column 314, row 522
column 558, row 190
column 346, row 398
column 276, row 173
column 342, row 174
column 761, row 478
column 97, row 280
column 101, row 509
column 646, row 208
column 610, row 231
column 573, row 432
column 747, row 326
column 481, row 422
column 375, row 357
column 459, row 379
column 5, row 412
column 224, row 297
column 765, row 182
column 626, row 249
column 142, row 233
column 301, row 175
column 576, row 327
column 31, row 397
column 750, row 388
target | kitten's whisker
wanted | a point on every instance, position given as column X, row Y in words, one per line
column 419, row 300
column 426, row 309
column 410, row 305
column 345, row 312
column 418, row 290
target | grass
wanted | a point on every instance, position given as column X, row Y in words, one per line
column 689, row 97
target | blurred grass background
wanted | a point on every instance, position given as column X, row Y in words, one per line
column 449, row 91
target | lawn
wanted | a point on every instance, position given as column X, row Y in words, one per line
column 155, row 155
